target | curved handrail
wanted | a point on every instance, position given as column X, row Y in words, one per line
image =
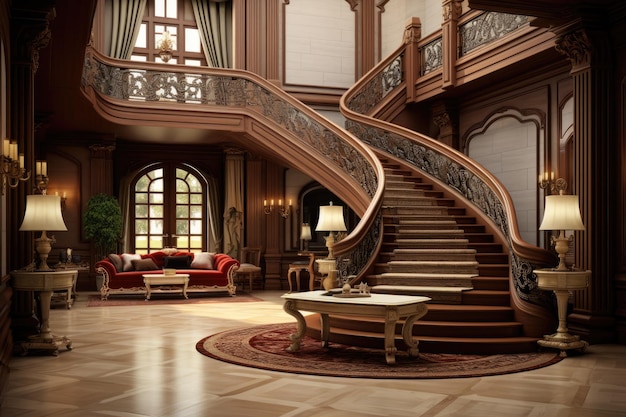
column 122, row 90
column 446, row 164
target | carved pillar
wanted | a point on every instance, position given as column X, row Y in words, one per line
column 101, row 163
column 449, row 32
column 274, row 224
column 446, row 118
column 29, row 33
column 367, row 44
column 588, row 49
column 412, row 56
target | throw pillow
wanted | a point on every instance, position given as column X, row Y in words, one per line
column 181, row 262
column 203, row 260
column 127, row 259
column 144, row 264
column 116, row 260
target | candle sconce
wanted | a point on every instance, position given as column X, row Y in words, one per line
column 283, row 210
column 12, row 169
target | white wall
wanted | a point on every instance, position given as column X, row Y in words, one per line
column 399, row 12
column 319, row 43
column 508, row 149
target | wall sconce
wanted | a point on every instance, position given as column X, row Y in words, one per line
column 12, row 170
column 284, row 210
column 547, row 182
column 41, row 177
column 165, row 45
column 562, row 213
column 63, row 198
column 331, row 220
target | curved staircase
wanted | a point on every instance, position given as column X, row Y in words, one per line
column 433, row 248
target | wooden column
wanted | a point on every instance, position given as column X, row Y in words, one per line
column 587, row 46
column 29, row 33
column 449, row 32
column 367, row 30
column 274, row 225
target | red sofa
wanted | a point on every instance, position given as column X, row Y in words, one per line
column 208, row 272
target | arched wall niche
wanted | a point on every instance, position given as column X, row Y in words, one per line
column 510, row 143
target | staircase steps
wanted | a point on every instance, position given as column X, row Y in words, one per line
column 432, row 247
column 427, row 344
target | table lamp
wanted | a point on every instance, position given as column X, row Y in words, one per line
column 562, row 213
column 43, row 212
column 305, row 235
column 331, row 220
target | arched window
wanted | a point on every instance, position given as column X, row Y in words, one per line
column 169, row 203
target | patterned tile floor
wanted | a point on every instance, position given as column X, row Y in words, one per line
column 141, row 361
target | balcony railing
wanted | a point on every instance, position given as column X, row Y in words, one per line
column 451, row 167
column 114, row 84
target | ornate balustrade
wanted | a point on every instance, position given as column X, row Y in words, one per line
column 115, row 84
column 447, row 165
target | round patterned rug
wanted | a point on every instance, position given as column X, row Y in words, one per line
column 264, row 347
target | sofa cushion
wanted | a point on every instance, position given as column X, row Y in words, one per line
column 181, row 261
column 144, row 264
column 116, row 260
column 127, row 261
column 203, row 260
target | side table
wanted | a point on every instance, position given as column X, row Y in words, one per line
column 45, row 283
column 562, row 282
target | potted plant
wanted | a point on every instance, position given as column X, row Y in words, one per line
column 102, row 224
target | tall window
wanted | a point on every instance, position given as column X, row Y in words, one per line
column 170, row 207
column 176, row 18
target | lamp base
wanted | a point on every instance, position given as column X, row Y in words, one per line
column 563, row 342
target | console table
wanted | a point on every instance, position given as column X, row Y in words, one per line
column 562, row 282
column 44, row 283
column 389, row 307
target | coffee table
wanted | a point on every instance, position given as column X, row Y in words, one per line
column 389, row 307
column 165, row 280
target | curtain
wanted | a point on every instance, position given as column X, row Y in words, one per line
column 124, row 199
column 215, row 231
column 123, row 20
column 233, row 207
column 214, row 20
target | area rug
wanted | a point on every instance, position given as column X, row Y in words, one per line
column 139, row 299
column 264, row 347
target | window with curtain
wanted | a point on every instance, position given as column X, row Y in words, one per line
column 176, row 17
column 199, row 32
column 169, row 203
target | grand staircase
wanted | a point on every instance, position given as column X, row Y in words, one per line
column 433, row 248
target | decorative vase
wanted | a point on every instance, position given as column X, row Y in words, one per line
column 330, row 281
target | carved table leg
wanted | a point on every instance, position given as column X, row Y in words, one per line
column 325, row 329
column 391, row 317
column 407, row 330
column 296, row 338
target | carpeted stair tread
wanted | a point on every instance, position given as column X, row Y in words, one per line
column 434, row 344
column 415, row 289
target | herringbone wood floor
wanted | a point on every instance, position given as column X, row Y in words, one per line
column 141, row 361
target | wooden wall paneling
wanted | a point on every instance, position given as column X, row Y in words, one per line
column 588, row 50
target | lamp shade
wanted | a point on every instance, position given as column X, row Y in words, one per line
column 43, row 212
column 305, row 234
column 331, row 219
column 562, row 213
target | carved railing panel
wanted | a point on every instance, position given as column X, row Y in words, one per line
column 486, row 28
column 432, row 56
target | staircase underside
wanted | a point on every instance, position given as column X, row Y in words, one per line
column 432, row 247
